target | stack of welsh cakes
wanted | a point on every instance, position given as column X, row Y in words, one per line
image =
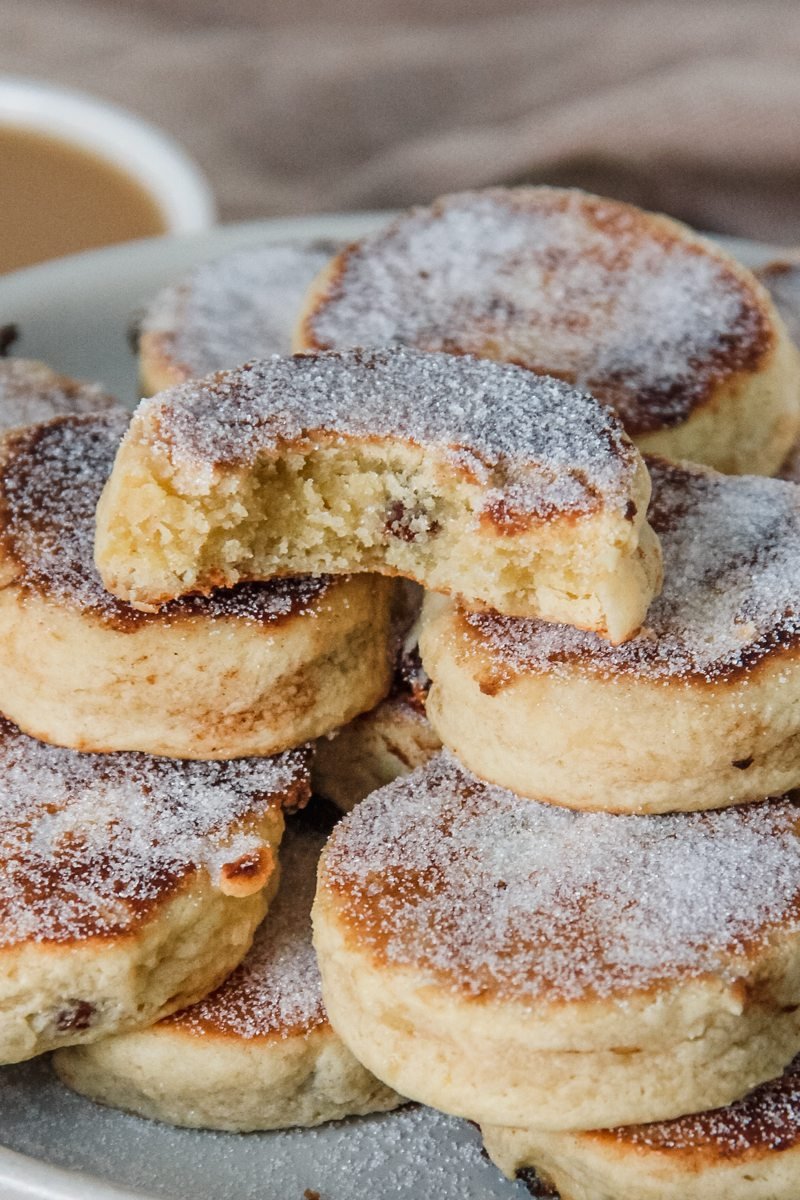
column 566, row 902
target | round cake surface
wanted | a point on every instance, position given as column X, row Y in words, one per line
column 629, row 305
column 498, row 898
column 257, row 1053
column 228, row 311
column 731, row 550
column 556, row 449
column 253, row 669
column 524, row 965
column 92, row 845
column 31, row 392
column 698, row 710
column 131, row 885
column 748, row 1150
column 766, row 1120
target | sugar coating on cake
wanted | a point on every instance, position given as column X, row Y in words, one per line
column 643, row 314
column 768, row 1119
column 50, row 484
column 462, row 881
column 30, row 392
column 547, row 447
column 731, row 595
column 235, row 308
column 92, row 842
column 276, row 992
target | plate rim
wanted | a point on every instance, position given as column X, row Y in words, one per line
column 270, row 228
column 31, row 1178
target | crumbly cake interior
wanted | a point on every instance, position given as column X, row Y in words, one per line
column 731, row 548
column 235, row 308
column 527, row 901
column 391, row 461
column 91, row 843
column 339, row 508
column 51, row 478
column 639, row 311
column 276, row 992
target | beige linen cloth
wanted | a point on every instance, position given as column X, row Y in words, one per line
column 691, row 106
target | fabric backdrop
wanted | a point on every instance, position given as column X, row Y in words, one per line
column 691, row 106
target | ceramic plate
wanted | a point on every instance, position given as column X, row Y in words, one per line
column 75, row 314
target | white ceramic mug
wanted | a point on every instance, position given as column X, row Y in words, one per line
column 160, row 165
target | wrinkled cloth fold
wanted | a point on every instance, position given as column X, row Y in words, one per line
column 691, row 106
